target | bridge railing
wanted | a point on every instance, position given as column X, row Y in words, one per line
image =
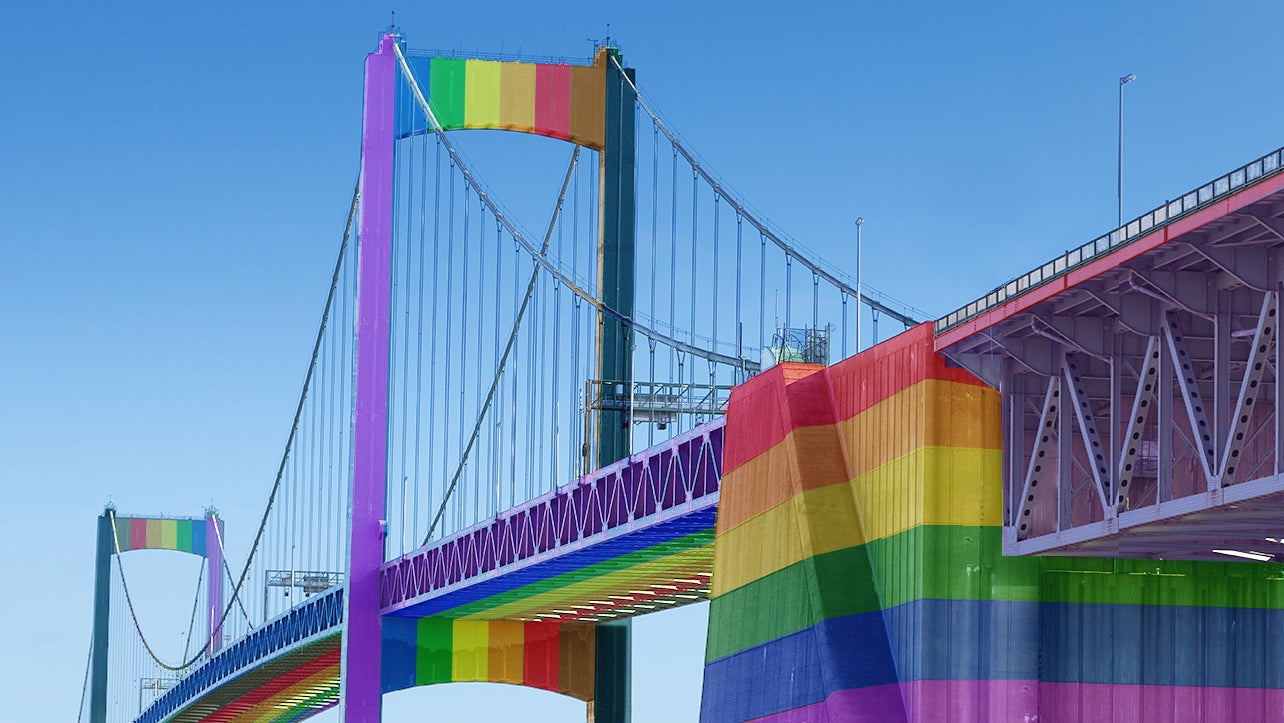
column 1199, row 198
column 298, row 625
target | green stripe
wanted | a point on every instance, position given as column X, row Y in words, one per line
column 185, row 535
column 446, row 91
column 966, row 563
column 655, row 552
column 435, row 638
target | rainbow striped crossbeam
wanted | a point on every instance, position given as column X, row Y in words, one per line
column 549, row 655
column 858, row 574
column 149, row 533
column 549, row 99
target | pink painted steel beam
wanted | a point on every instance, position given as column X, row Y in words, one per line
column 1124, row 254
column 359, row 669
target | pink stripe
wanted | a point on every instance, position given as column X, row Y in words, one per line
column 876, row 704
column 553, row 100
column 1064, row 702
column 982, row 701
column 137, row 534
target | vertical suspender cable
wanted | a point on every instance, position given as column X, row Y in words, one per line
column 432, row 350
column 419, row 340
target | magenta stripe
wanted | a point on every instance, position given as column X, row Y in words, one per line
column 876, row 704
column 1064, row 702
column 981, row 701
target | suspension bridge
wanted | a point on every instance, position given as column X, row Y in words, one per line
column 1059, row 502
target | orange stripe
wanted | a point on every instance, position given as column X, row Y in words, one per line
column 507, row 639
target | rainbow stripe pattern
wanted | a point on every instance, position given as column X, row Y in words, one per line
column 555, row 656
column 150, row 533
column 293, row 688
column 549, row 99
column 858, row 574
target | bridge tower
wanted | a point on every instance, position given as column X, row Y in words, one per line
column 117, row 535
column 361, row 665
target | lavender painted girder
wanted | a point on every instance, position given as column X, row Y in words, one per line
column 360, row 672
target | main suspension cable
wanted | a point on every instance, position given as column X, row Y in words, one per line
column 789, row 249
column 280, row 472
column 542, row 260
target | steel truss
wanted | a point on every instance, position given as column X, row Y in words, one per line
column 668, row 481
column 1139, row 404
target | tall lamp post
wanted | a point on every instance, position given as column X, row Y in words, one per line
column 1119, row 195
column 860, row 220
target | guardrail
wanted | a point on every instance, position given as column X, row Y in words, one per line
column 1216, row 190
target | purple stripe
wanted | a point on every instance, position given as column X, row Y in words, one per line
column 361, row 635
column 1159, row 703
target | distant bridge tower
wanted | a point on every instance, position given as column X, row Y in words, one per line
column 117, row 535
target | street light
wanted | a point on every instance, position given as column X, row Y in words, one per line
column 859, row 221
column 1125, row 80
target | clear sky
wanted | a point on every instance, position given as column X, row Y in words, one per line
column 174, row 178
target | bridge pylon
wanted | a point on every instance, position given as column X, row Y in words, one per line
column 118, row 535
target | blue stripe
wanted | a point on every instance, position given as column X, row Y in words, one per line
column 198, row 537
column 1162, row 645
column 409, row 118
column 798, row 670
column 400, row 639
column 667, row 531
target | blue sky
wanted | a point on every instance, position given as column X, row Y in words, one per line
column 175, row 177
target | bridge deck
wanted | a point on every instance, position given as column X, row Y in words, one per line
column 1139, row 381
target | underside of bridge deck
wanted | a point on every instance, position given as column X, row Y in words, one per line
column 1139, row 383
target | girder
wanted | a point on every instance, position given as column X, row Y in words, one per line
column 1164, row 346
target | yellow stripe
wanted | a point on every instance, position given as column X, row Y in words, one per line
column 169, row 534
column 481, row 94
column 930, row 486
column 663, row 570
column 274, row 706
column 470, row 657
column 517, row 96
column 811, row 523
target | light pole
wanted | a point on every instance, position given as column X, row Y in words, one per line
column 1119, row 195
column 859, row 221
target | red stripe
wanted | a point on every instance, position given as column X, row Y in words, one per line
column 137, row 534
column 540, row 653
column 553, row 100
column 888, row 368
column 271, row 688
column 762, row 413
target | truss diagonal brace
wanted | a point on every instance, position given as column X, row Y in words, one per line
column 1185, row 373
column 1142, row 403
column 1039, row 470
column 1263, row 339
column 1098, row 461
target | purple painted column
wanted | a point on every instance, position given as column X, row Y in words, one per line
column 214, row 581
column 360, row 693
